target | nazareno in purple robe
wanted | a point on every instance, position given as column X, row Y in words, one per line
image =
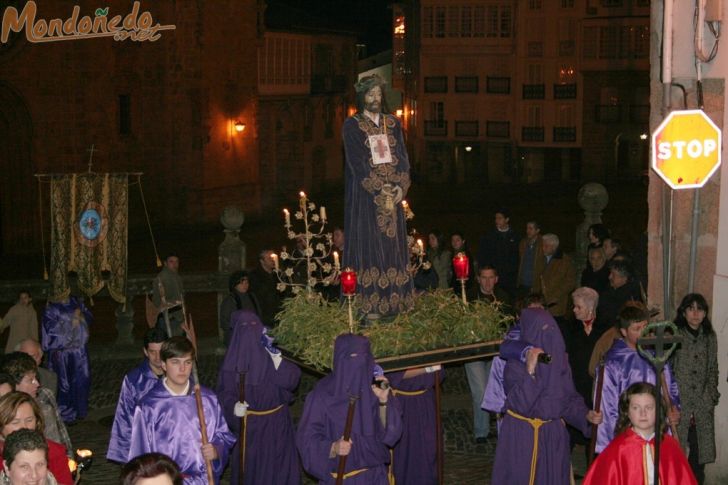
column 494, row 398
column 65, row 346
column 549, row 396
column 376, row 235
column 169, row 424
column 270, row 450
column 415, row 456
column 622, row 368
column 324, row 419
column 137, row 382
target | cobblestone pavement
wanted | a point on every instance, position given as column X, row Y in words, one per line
column 466, row 463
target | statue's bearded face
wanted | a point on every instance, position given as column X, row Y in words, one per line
column 373, row 100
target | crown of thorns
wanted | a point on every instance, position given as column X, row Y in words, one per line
column 368, row 82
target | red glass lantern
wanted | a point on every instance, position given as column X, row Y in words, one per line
column 461, row 264
column 348, row 282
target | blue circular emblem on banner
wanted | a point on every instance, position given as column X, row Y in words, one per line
column 90, row 224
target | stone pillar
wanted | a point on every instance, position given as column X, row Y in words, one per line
column 125, row 322
column 593, row 198
column 231, row 253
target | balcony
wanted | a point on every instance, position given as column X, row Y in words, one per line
column 534, row 91
column 436, row 128
column 564, row 133
column 498, row 129
column 466, row 128
column 564, row 91
column 498, row 85
column 532, row 133
column 608, row 113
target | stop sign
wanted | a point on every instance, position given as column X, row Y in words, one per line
column 686, row 149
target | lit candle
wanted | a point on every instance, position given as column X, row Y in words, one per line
column 348, row 282
column 323, row 213
column 336, row 261
column 275, row 261
column 461, row 264
column 302, row 194
column 287, row 216
column 404, row 204
column 420, row 246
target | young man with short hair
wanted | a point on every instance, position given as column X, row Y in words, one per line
column 623, row 366
column 166, row 419
column 134, row 387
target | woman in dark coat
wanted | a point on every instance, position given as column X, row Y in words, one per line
column 695, row 365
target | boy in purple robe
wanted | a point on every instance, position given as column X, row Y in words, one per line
column 136, row 384
column 414, row 461
column 533, row 446
column 623, row 366
column 166, row 419
column 269, row 440
column 377, row 423
column 64, row 339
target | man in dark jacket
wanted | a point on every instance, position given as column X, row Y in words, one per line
column 263, row 282
column 499, row 248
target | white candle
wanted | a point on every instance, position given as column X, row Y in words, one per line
column 275, row 260
column 323, row 213
column 336, row 261
column 302, row 194
column 404, row 204
column 420, row 246
column 287, row 216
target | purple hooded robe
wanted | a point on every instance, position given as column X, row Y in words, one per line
column 324, row 419
column 270, row 450
column 65, row 346
column 137, row 382
column 169, row 424
column 622, row 368
column 550, row 396
column 494, row 398
column 415, row 456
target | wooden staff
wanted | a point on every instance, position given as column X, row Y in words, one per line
column 668, row 404
column 347, row 435
column 189, row 329
column 597, row 408
column 438, row 429
column 241, row 440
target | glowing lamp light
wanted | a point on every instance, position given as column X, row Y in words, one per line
column 468, row 148
column 643, row 136
column 461, row 264
column 239, row 126
column 399, row 113
column 348, row 282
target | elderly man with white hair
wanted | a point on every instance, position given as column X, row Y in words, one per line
column 557, row 280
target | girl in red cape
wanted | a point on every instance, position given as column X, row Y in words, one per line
column 628, row 460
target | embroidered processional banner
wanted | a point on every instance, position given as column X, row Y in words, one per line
column 89, row 220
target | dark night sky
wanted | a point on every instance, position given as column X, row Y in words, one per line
column 370, row 19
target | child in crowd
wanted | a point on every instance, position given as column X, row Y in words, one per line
column 629, row 458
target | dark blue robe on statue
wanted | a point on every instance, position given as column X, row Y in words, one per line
column 324, row 419
column 136, row 384
column 170, row 425
column 65, row 345
column 270, row 450
column 549, row 396
column 376, row 233
column 415, row 456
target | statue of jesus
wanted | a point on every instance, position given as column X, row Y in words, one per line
column 376, row 179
